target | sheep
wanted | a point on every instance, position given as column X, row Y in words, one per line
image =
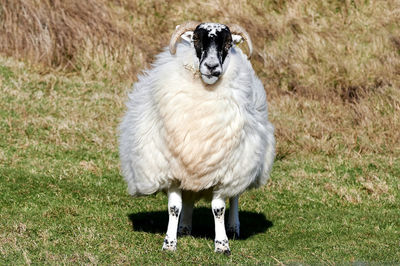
column 197, row 126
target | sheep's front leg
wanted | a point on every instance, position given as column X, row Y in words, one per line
column 233, row 219
column 185, row 224
column 221, row 240
column 174, row 209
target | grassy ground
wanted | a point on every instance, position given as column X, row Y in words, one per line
column 331, row 72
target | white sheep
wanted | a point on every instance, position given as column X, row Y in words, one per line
column 197, row 126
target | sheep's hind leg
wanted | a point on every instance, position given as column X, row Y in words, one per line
column 174, row 209
column 221, row 240
column 233, row 219
column 185, row 223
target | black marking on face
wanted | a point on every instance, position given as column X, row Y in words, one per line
column 221, row 39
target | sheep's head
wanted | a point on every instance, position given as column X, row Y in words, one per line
column 212, row 43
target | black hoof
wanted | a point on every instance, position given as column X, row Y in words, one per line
column 184, row 231
column 232, row 233
column 227, row 252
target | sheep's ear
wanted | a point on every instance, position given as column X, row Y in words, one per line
column 187, row 36
column 236, row 39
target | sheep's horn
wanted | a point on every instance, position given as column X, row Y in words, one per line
column 181, row 29
column 236, row 29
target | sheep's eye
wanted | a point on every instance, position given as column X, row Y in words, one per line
column 196, row 42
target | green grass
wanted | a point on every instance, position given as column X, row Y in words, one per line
column 83, row 217
column 63, row 200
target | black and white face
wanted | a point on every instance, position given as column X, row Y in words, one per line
column 212, row 42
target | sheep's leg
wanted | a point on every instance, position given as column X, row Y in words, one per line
column 221, row 240
column 233, row 219
column 174, row 209
column 185, row 224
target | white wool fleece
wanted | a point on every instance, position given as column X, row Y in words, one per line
column 178, row 130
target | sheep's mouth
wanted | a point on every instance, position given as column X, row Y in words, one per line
column 209, row 79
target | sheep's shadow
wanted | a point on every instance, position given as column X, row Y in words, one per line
column 251, row 223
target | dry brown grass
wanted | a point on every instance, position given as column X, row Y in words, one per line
column 312, row 48
column 334, row 127
column 55, row 32
column 331, row 69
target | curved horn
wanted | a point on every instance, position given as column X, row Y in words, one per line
column 236, row 29
column 181, row 29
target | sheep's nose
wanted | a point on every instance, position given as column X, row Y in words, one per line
column 213, row 68
column 216, row 73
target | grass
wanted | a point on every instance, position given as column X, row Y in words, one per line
column 63, row 199
column 331, row 74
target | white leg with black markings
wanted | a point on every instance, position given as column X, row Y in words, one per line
column 185, row 223
column 174, row 209
column 221, row 240
column 233, row 219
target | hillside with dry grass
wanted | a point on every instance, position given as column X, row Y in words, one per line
column 306, row 47
column 341, row 58
column 331, row 70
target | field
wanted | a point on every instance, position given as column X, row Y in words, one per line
column 331, row 70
